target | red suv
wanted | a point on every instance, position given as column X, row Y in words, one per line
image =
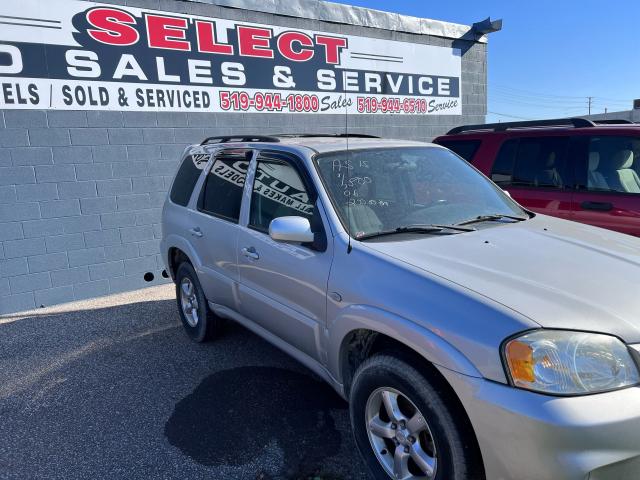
column 571, row 168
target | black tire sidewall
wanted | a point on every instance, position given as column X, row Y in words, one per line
column 428, row 401
column 199, row 333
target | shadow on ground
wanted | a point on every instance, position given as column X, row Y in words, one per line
column 245, row 408
column 118, row 391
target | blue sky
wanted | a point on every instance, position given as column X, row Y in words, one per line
column 551, row 54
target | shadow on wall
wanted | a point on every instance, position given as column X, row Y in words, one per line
column 15, row 304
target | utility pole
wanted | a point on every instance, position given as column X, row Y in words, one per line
column 590, row 101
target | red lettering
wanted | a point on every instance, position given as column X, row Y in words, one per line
column 207, row 39
column 254, row 42
column 167, row 32
column 332, row 47
column 286, row 43
column 113, row 26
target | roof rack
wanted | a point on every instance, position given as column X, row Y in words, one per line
column 613, row 122
column 276, row 138
column 326, row 135
column 501, row 127
column 240, row 139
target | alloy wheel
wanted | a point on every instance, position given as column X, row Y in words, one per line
column 400, row 436
column 189, row 301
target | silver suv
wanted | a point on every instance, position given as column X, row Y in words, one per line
column 473, row 339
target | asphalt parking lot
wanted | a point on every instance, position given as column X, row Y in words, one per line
column 112, row 388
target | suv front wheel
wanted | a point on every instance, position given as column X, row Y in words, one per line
column 403, row 426
column 197, row 318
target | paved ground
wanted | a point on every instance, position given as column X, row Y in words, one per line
column 112, row 388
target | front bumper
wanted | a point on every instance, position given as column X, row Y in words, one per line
column 527, row 436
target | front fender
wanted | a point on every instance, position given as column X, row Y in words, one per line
column 423, row 341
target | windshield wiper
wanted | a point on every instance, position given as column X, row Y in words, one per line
column 417, row 228
column 492, row 218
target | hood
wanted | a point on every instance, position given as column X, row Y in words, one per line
column 559, row 274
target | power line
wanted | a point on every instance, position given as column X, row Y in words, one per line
column 536, row 105
column 534, row 101
column 536, row 98
column 528, row 94
column 560, row 105
column 509, row 116
column 616, row 100
column 536, row 94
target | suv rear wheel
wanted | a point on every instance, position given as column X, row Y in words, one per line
column 403, row 426
column 197, row 318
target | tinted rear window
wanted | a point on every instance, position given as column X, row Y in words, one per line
column 186, row 178
column 532, row 162
column 502, row 172
column 465, row 148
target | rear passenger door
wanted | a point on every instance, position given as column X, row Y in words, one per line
column 534, row 170
column 608, row 183
column 213, row 226
column 283, row 286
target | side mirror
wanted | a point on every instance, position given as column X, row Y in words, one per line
column 291, row 229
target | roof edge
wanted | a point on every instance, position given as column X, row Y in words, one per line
column 351, row 15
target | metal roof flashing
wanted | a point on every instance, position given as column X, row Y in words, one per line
column 351, row 15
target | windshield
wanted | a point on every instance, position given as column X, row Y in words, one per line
column 380, row 190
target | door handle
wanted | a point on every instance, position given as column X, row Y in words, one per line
column 597, row 206
column 196, row 232
column 251, row 253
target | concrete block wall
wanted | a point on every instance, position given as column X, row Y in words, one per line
column 81, row 191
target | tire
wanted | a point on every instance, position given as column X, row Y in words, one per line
column 446, row 445
column 200, row 323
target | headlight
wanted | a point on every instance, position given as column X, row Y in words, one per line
column 561, row 362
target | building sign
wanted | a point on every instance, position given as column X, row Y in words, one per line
column 76, row 55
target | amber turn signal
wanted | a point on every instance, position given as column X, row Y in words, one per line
column 520, row 359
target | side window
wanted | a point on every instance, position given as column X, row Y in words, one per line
column 187, row 177
column 502, row 172
column 221, row 194
column 465, row 148
column 278, row 191
column 612, row 164
column 538, row 162
column 541, row 162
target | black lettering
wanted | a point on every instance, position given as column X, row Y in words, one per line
column 33, row 92
column 187, row 99
column 67, row 98
column 104, row 96
column 160, row 98
column 150, row 98
column 81, row 96
column 7, row 93
column 21, row 100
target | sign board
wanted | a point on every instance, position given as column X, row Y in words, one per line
column 76, row 55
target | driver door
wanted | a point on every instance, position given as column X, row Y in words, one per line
column 283, row 286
